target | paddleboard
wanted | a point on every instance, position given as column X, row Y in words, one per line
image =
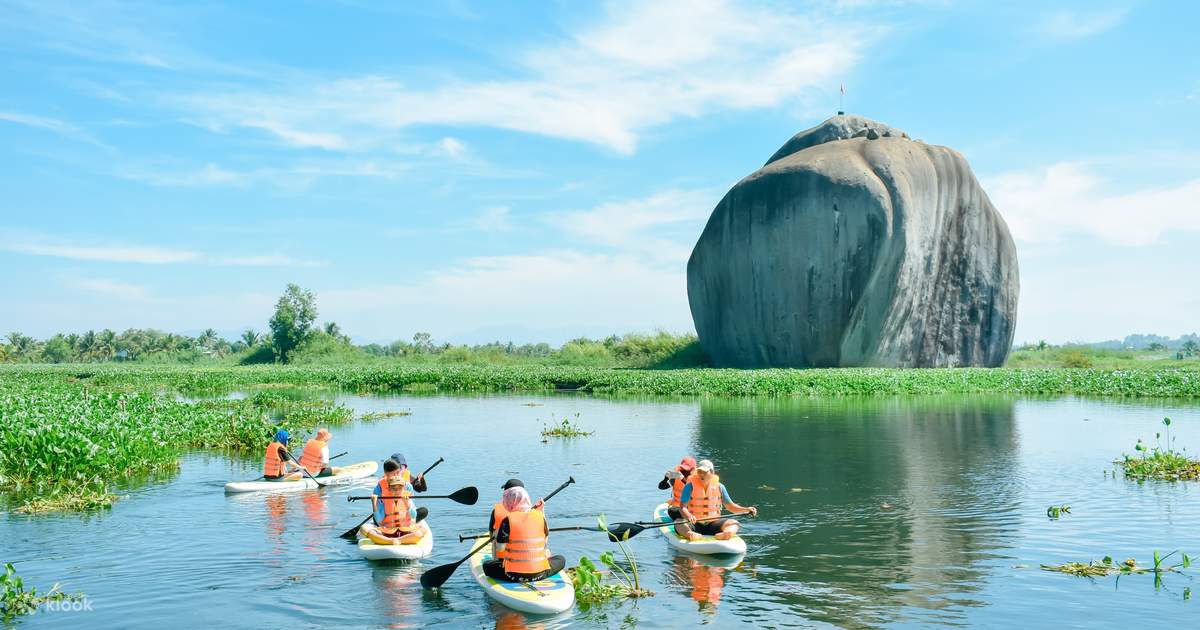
column 552, row 595
column 347, row 475
column 706, row 545
column 371, row 549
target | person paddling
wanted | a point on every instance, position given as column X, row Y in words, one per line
column 498, row 511
column 521, row 538
column 675, row 479
column 315, row 457
column 702, row 498
column 418, row 482
column 278, row 462
column 391, row 503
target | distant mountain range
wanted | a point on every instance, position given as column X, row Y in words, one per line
column 1139, row 342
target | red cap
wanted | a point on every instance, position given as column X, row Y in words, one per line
column 688, row 462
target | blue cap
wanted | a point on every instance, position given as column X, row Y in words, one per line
column 281, row 436
column 399, row 459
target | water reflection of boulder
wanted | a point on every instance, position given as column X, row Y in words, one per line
column 870, row 505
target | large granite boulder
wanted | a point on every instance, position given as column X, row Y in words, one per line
column 855, row 246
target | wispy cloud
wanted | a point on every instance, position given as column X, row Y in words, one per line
column 1045, row 204
column 643, row 65
column 141, row 255
column 493, row 219
column 53, row 125
column 644, row 225
column 110, row 288
column 41, row 246
column 1079, row 24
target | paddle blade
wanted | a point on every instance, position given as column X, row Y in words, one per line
column 437, row 576
column 466, row 496
column 624, row 531
column 352, row 533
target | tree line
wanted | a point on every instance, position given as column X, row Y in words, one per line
column 293, row 335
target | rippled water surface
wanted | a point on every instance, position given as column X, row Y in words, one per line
column 898, row 512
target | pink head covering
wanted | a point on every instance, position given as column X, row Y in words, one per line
column 516, row 499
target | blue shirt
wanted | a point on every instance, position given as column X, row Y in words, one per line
column 686, row 495
column 379, row 515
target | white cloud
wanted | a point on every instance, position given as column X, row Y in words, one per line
column 143, row 255
column 1067, row 198
column 40, row 246
column 494, row 219
column 643, row 65
column 111, row 288
column 453, row 148
column 321, row 140
column 1079, row 24
column 40, row 122
column 643, row 225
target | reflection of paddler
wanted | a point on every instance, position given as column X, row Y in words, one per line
column 508, row 620
column 315, row 507
column 706, row 581
column 276, row 514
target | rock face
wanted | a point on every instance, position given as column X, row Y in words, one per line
column 855, row 246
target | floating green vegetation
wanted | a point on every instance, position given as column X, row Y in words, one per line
column 590, row 587
column 380, row 415
column 16, row 601
column 63, row 445
column 1161, row 463
column 1106, row 567
column 1055, row 511
column 566, row 429
column 193, row 380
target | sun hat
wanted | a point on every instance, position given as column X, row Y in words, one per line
column 705, row 465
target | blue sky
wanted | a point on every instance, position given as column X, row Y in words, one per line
column 541, row 170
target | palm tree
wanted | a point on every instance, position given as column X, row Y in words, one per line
column 250, row 337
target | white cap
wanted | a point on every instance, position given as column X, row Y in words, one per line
column 705, row 465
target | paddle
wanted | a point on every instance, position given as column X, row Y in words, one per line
column 437, row 576
column 625, row 531
column 465, row 496
column 568, row 528
column 352, row 533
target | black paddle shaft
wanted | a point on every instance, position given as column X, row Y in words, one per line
column 438, row 575
column 351, row 533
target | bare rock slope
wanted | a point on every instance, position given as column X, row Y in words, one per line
column 855, row 246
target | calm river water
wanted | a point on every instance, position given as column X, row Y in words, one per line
column 899, row 512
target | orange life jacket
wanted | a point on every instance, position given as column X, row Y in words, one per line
column 677, row 485
column 498, row 514
column 706, row 498
column 311, row 458
column 526, row 549
column 273, row 465
column 395, row 509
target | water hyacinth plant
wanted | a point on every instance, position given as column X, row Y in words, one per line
column 1160, row 463
column 15, row 600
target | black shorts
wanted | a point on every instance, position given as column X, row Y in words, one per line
column 673, row 513
column 710, row 528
